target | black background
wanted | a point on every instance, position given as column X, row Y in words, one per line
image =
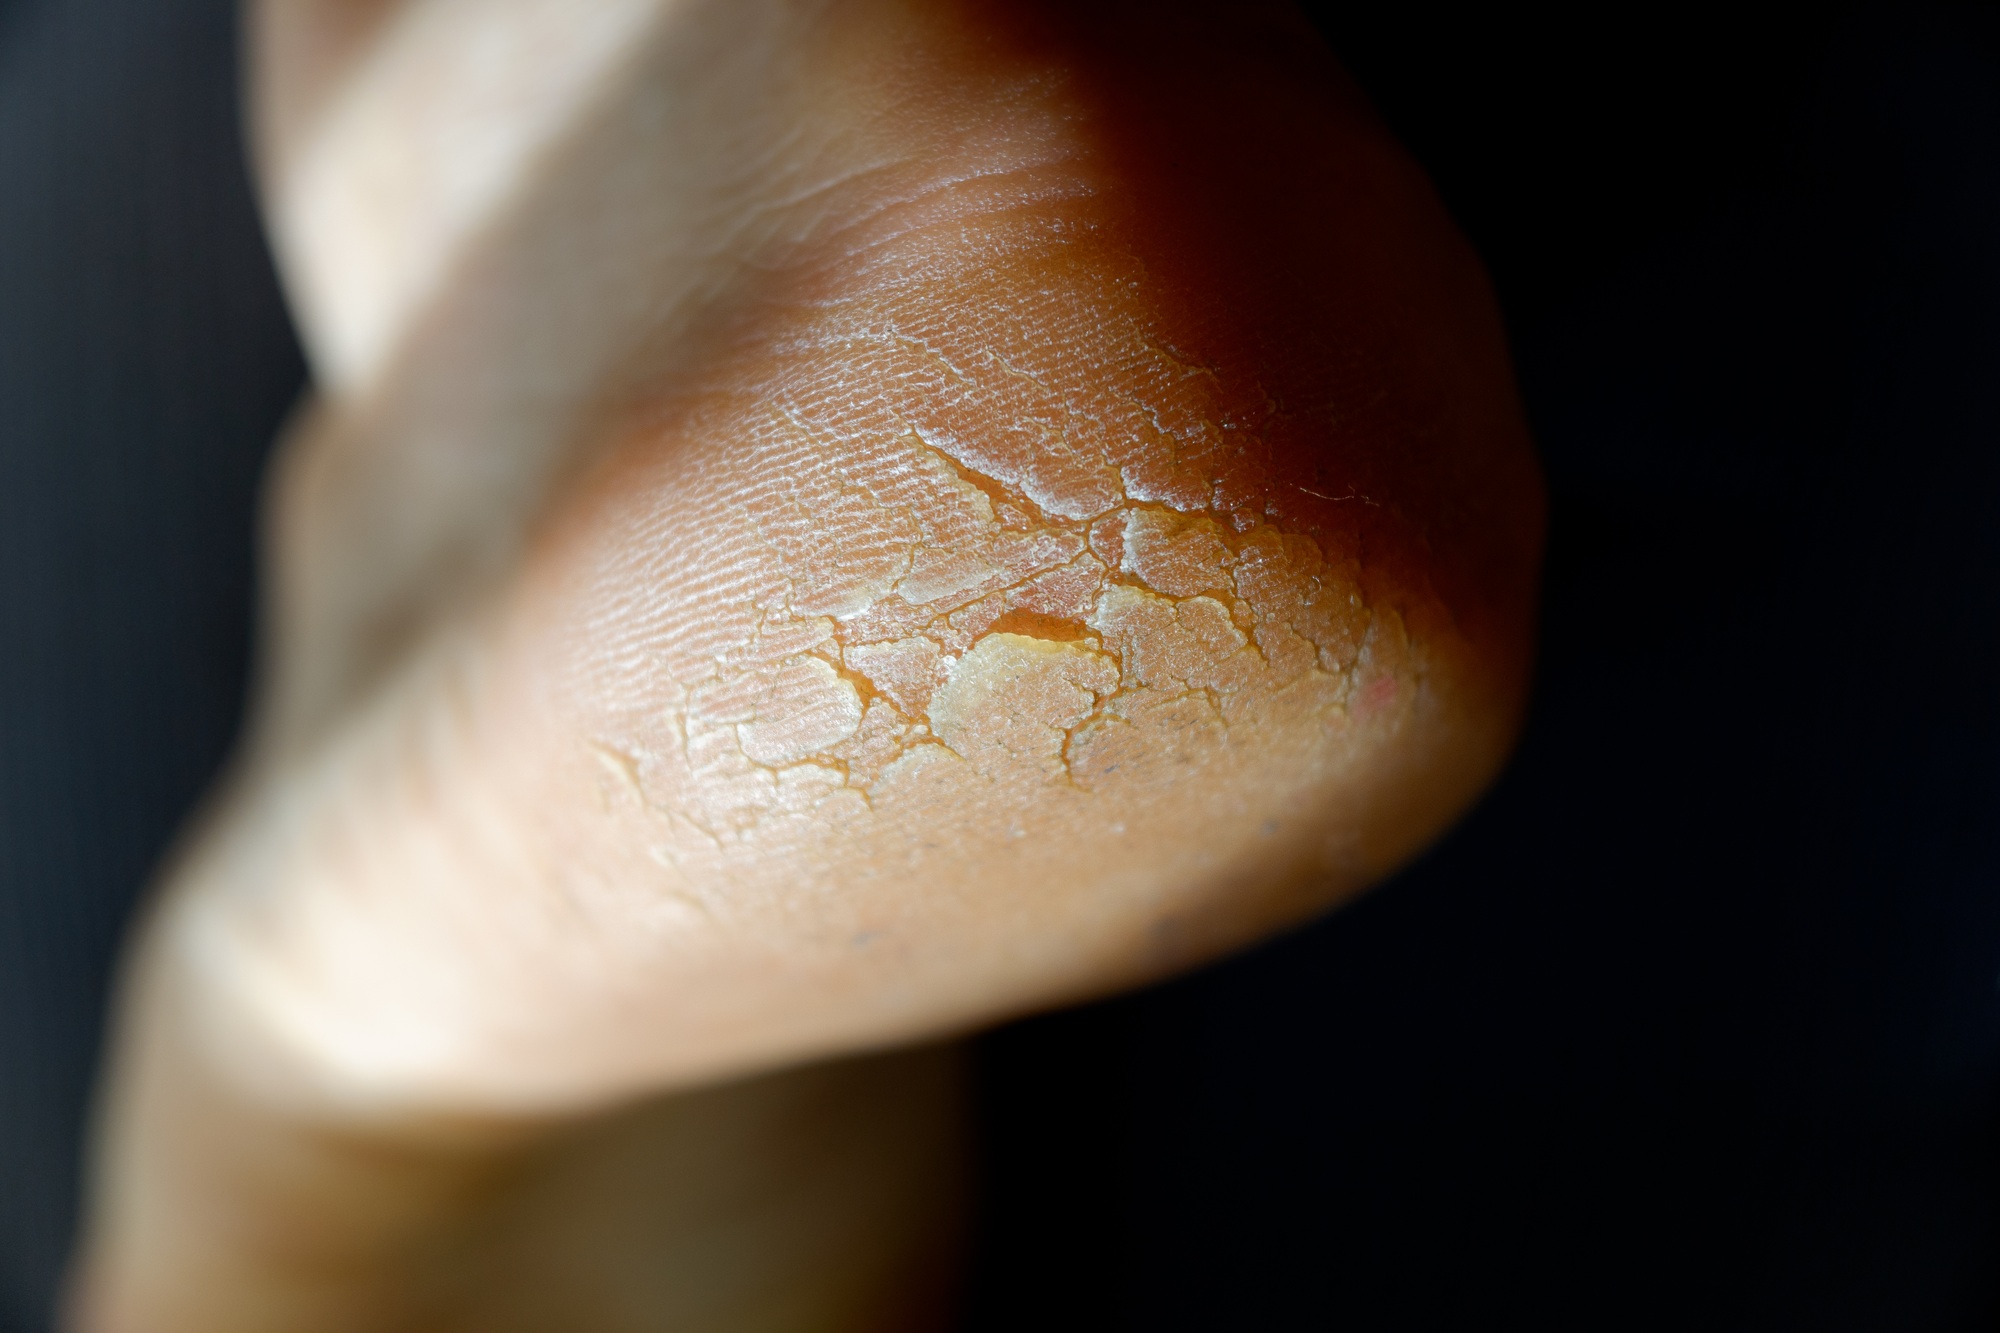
column 1694, row 1024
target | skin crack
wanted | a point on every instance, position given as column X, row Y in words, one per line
column 1188, row 611
column 943, row 589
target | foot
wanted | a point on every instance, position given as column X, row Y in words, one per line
column 824, row 526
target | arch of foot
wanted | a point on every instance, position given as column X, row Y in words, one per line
column 1010, row 565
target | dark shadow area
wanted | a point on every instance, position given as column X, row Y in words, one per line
column 1695, row 1023
column 145, row 360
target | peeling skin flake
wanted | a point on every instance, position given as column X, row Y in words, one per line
column 805, row 709
column 1190, row 642
column 1011, row 699
column 905, row 671
column 1177, row 554
column 935, row 575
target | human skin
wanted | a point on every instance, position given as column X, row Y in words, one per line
column 822, row 526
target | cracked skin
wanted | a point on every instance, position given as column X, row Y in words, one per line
column 1058, row 574
column 1094, row 530
column 882, row 516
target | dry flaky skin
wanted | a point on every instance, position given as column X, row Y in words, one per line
column 830, row 524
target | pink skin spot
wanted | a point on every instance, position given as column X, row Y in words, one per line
column 1377, row 695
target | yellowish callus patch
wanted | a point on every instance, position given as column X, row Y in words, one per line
column 1011, row 701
